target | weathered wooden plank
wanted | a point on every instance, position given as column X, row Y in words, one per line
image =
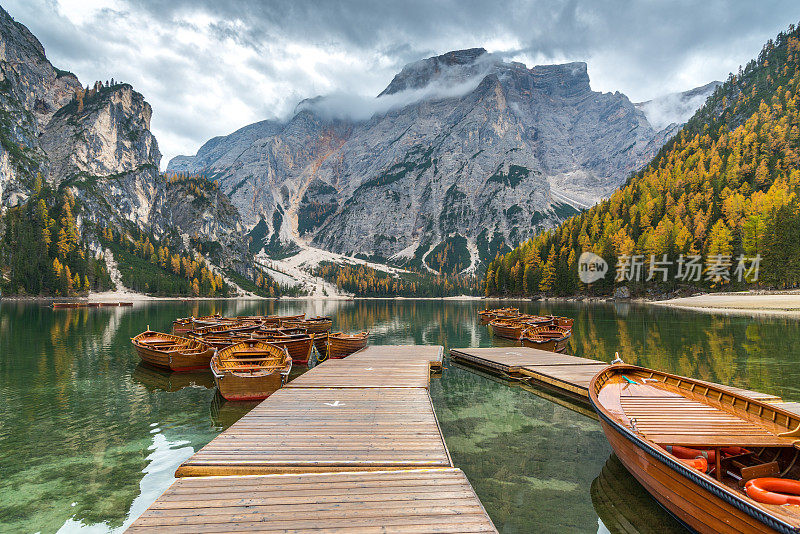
column 327, row 429
column 433, row 355
column 432, row 500
column 512, row 359
column 365, row 373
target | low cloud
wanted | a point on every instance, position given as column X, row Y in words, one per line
column 450, row 82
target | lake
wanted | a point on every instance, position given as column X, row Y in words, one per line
column 89, row 437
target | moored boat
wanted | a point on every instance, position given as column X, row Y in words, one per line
column 341, row 344
column 183, row 325
column 507, row 329
column 559, row 334
column 716, row 459
column 312, row 325
column 172, row 352
column 299, row 346
column 251, row 370
column 539, row 342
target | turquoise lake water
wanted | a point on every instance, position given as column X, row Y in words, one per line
column 89, row 437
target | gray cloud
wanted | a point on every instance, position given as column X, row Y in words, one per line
column 209, row 67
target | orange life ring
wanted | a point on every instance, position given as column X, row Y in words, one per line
column 773, row 490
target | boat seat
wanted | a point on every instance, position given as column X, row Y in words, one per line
column 747, row 466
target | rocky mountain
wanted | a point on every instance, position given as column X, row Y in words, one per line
column 461, row 154
column 96, row 141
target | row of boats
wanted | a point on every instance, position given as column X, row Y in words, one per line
column 250, row 357
column 544, row 332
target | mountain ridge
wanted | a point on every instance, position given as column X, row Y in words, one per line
column 525, row 147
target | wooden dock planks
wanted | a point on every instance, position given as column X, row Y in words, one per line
column 566, row 373
column 327, row 429
column 410, row 501
column 432, row 354
column 365, row 373
column 346, row 450
column 512, row 359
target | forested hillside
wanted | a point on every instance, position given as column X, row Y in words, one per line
column 41, row 252
column 725, row 186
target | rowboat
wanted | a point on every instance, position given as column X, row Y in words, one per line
column 558, row 334
column 206, row 320
column 507, row 329
column 298, row 346
column 539, row 342
column 718, row 460
column 566, row 322
column 251, row 370
column 488, row 315
column 172, row 352
column 533, row 320
column 313, row 325
column 341, row 344
column 183, row 325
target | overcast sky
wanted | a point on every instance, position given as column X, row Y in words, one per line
column 209, row 67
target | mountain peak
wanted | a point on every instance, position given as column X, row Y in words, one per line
column 456, row 65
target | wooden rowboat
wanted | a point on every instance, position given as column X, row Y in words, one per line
column 313, row 325
column 341, row 344
column 172, row 352
column 558, row 334
column 701, row 450
column 566, row 322
column 182, row 326
column 507, row 329
column 251, row 370
column 539, row 342
column 299, row 346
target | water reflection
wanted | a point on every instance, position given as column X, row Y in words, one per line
column 625, row 507
column 88, row 437
column 154, row 379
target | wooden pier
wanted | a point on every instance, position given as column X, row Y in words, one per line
column 352, row 444
column 562, row 372
column 432, row 500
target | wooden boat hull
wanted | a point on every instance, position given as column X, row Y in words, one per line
column 507, row 331
column 341, row 347
column 298, row 349
column 666, row 480
column 179, row 328
column 194, row 356
column 237, row 387
column 175, row 362
column 641, row 419
column 312, row 326
column 549, row 345
column 251, row 370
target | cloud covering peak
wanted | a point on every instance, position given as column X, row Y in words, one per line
column 210, row 67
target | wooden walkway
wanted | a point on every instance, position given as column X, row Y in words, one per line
column 435, row 500
column 351, row 445
column 299, row 430
column 565, row 373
